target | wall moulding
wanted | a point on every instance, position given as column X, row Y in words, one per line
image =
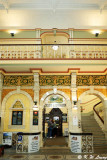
column 41, row 72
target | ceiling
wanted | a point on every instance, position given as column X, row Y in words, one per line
column 47, row 14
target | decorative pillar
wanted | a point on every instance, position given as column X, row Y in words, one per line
column 38, row 33
column 1, row 112
column 105, row 117
column 36, row 87
column 41, row 125
column 1, row 87
column 76, row 114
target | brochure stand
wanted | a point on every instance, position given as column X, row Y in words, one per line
column 28, row 142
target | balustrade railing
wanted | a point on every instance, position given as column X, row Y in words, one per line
column 97, row 113
column 45, row 51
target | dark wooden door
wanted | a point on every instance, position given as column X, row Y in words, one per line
column 56, row 115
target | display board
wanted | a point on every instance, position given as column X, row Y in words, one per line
column 7, row 138
column 76, row 144
column 33, row 143
column 27, row 143
column 81, row 142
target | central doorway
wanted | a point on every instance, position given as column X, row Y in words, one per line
column 55, row 107
column 56, row 115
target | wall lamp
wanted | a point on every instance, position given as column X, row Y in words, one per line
column 75, row 105
column 12, row 33
column 35, row 107
column 96, row 33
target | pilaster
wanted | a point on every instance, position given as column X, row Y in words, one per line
column 1, row 87
column 38, row 33
column 105, row 115
column 36, row 87
column 76, row 114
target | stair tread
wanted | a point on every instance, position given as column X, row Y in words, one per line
column 90, row 125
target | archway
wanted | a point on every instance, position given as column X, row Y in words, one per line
column 94, row 117
column 7, row 111
column 49, row 108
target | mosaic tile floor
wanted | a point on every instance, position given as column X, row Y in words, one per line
column 51, row 154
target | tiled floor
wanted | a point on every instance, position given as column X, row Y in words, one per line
column 50, row 154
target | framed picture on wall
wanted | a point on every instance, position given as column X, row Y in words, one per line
column 35, row 117
column 47, row 117
column 64, row 118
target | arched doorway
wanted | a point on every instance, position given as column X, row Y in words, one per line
column 55, row 106
column 55, row 109
column 93, row 118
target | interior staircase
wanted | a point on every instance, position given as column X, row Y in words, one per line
column 89, row 125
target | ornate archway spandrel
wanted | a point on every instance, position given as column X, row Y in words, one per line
column 43, row 91
column 81, row 91
column 5, row 92
column 103, row 91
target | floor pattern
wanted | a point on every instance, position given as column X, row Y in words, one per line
column 51, row 154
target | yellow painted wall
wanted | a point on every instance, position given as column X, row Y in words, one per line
column 10, row 102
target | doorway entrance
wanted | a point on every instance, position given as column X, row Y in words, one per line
column 56, row 115
column 55, row 107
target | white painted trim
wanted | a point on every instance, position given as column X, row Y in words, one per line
column 52, row 92
column 94, row 92
column 42, row 102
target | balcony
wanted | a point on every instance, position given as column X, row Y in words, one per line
column 45, row 52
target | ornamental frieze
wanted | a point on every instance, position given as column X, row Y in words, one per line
column 52, row 80
column 55, row 80
column 94, row 80
column 18, row 81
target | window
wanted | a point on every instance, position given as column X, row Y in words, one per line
column 17, row 117
column 35, row 117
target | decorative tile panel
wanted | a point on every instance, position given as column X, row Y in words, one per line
column 18, row 81
column 94, row 80
column 52, row 80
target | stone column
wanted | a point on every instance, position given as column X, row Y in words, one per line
column 38, row 33
column 76, row 114
column 36, row 87
column 41, row 125
column 1, row 87
column 105, row 117
column 38, row 48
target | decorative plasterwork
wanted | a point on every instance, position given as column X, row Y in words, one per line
column 18, row 81
column 55, row 80
column 91, row 80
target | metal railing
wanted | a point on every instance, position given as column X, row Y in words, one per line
column 94, row 108
column 45, row 51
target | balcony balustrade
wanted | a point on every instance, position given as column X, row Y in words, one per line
column 45, row 51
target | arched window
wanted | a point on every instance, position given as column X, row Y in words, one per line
column 17, row 113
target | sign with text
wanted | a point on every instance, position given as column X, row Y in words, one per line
column 33, row 144
column 7, row 138
column 75, row 120
column 76, row 143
